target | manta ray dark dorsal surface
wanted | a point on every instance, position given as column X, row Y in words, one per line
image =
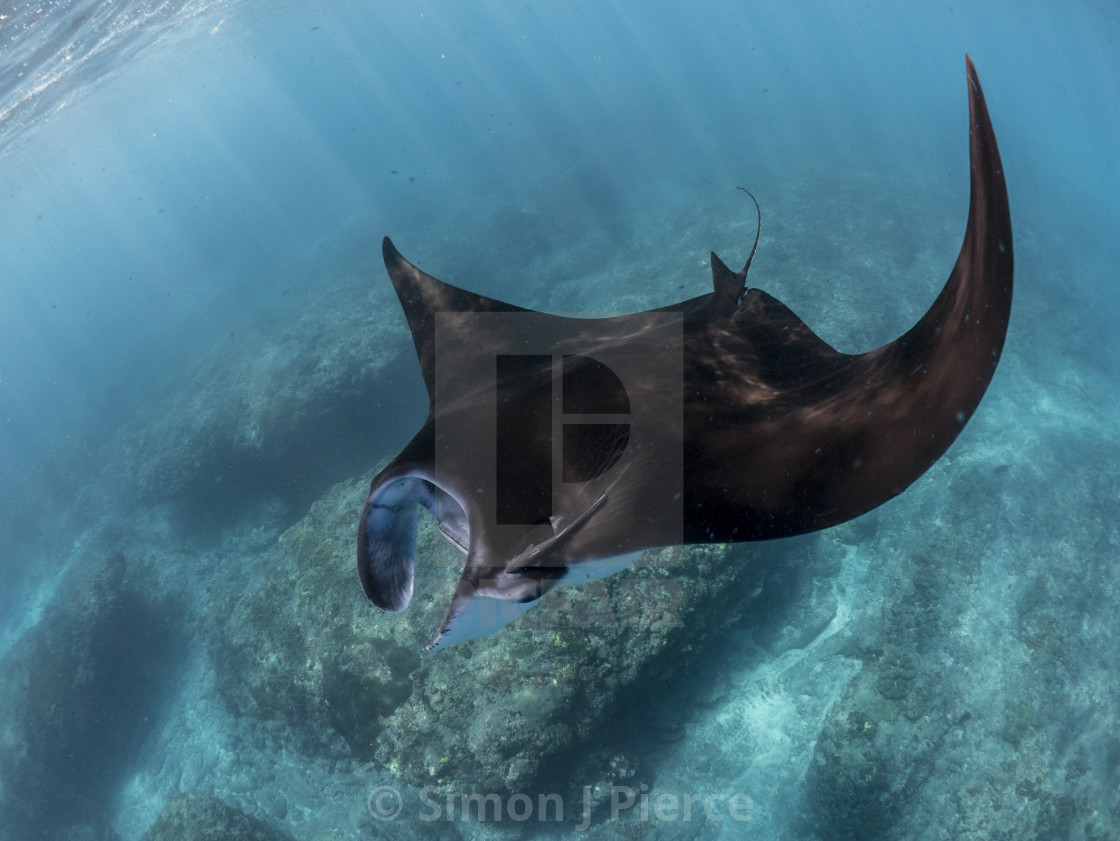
column 767, row 432
column 837, row 435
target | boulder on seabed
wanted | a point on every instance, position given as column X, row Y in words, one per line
column 79, row 692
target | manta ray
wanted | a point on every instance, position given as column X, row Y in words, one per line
column 557, row 449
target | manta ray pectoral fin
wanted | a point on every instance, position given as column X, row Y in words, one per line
column 488, row 598
column 539, row 551
column 475, row 616
column 421, row 296
column 831, row 435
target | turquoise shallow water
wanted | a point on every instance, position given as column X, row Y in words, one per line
column 199, row 346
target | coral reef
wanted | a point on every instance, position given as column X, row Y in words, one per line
column 897, row 673
column 849, row 784
column 943, row 667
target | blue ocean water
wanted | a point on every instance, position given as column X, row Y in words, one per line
column 186, row 183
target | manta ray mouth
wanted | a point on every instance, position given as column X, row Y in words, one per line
column 388, row 544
